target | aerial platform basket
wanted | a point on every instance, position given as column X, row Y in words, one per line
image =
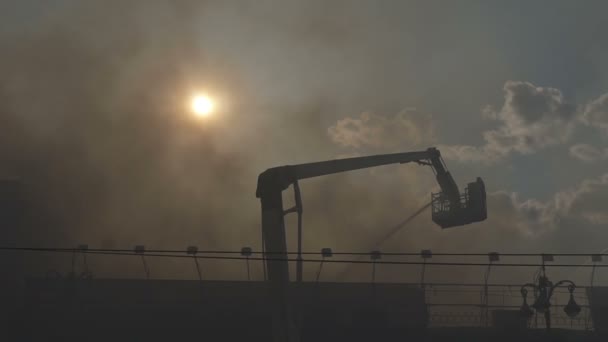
column 472, row 206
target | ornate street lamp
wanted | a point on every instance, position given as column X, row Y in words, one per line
column 543, row 291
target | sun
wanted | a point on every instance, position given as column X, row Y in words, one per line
column 202, row 105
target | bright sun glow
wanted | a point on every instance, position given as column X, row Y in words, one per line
column 202, row 105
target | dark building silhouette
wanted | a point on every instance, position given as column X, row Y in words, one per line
column 12, row 221
column 598, row 298
column 66, row 309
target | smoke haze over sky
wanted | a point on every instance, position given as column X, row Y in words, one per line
column 94, row 119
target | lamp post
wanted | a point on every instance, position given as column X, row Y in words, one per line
column 492, row 257
column 325, row 253
column 246, row 252
column 192, row 250
column 595, row 259
column 543, row 291
column 374, row 255
column 141, row 250
column 425, row 254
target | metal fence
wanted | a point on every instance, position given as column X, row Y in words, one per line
column 444, row 311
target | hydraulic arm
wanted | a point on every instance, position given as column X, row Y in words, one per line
column 450, row 208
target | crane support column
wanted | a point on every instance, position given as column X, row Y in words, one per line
column 273, row 227
column 450, row 212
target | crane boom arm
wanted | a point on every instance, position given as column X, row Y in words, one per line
column 310, row 170
column 273, row 181
column 281, row 177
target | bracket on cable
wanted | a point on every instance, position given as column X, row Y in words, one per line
column 297, row 209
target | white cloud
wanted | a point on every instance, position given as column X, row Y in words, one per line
column 468, row 153
column 530, row 119
column 596, row 113
column 584, row 204
column 530, row 216
column 369, row 130
column 588, row 201
column 588, row 153
column 596, row 217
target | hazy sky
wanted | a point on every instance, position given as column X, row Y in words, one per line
column 94, row 118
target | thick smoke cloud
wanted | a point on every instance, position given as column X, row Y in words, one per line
column 95, row 125
column 92, row 120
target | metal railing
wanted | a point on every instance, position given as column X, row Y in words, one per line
column 441, row 204
column 445, row 313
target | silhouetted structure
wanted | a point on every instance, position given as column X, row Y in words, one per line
column 598, row 299
column 11, row 210
column 68, row 309
column 450, row 209
column 159, row 310
column 12, row 215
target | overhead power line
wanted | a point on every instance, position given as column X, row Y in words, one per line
column 162, row 251
column 171, row 254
